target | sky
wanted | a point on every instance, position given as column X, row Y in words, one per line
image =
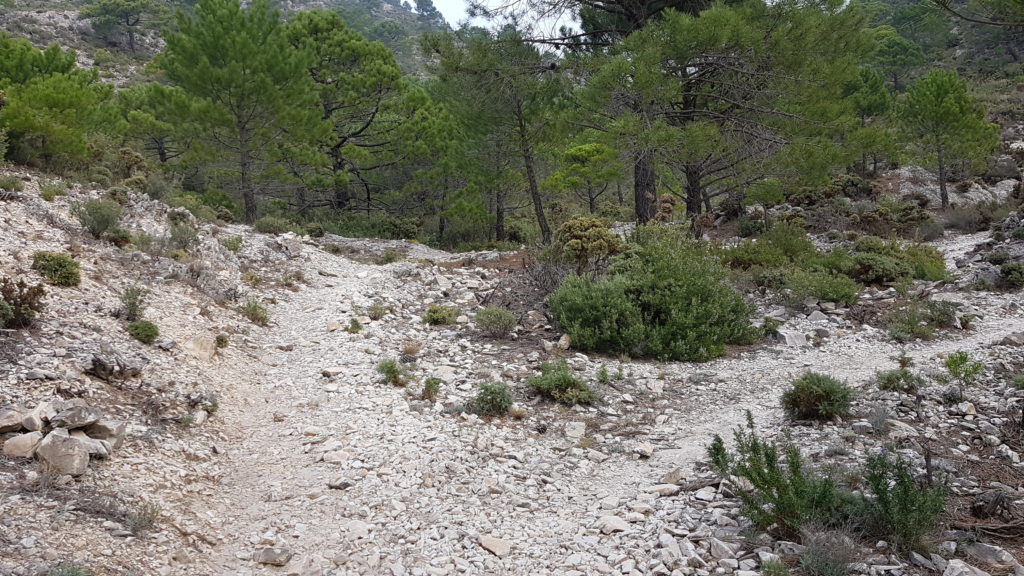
column 454, row 10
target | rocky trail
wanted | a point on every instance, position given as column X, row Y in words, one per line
column 308, row 464
column 348, row 472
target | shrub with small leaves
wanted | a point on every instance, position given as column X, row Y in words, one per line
column 221, row 341
column 899, row 380
column 133, row 302
column 271, row 225
column 118, row 237
column 492, row 399
column 143, row 519
column 256, row 312
column 558, row 383
column 391, row 372
column 1011, row 274
column 50, row 190
column 98, row 216
column 587, row 241
column 901, row 510
column 6, row 313
column 828, row 552
column 59, row 269
column 22, row 302
column 387, row 257
column 144, row 331
column 440, row 315
column 232, row 243
column 69, row 569
column 496, row 322
column 184, row 236
column 376, row 312
column 962, row 369
column 431, row 388
column 354, row 327
column 11, row 183
column 815, row 396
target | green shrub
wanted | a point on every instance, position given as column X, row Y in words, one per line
column 926, row 262
column 392, row 372
column 50, row 190
column 6, row 313
column 751, row 253
column 431, row 388
column 118, row 237
column 1017, row 381
column 133, row 302
column 872, row 268
column 492, row 399
column 825, row 286
column 828, row 552
column 69, row 569
column 496, row 322
column 271, row 225
column 157, row 187
column 962, row 369
column 749, row 226
column 1012, row 275
column 997, row 257
column 791, row 240
column 376, row 312
column 98, row 216
column 785, row 496
column 22, row 302
column 59, row 269
column 222, row 340
column 232, row 243
column 899, row 380
column 815, row 396
column 144, row 331
column 587, row 241
column 387, row 257
column 11, row 183
column 557, row 383
column 119, row 194
column 184, row 236
column 900, row 510
column 256, row 312
column 637, row 310
column 440, row 315
column 920, row 320
column 774, row 568
column 354, row 326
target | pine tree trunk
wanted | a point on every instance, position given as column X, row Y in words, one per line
column 499, row 217
column 694, row 192
column 531, row 176
column 644, row 187
column 245, row 180
column 943, row 193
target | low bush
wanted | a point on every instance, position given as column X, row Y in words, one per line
column 901, row 510
column 391, row 372
column 785, row 495
column 749, row 226
column 22, row 302
column 492, row 399
column 919, row 320
column 899, row 380
column 232, row 243
column 962, row 369
column 431, row 388
column 557, row 383
column 118, row 237
column 637, row 310
column 790, row 501
column 440, row 315
column 271, row 225
column 354, row 326
column 119, row 194
column 222, row 340
column 587, row 242
column 387, row 257
column 496, row 322
column 59, row 269
column 256, row 312
column 1011, row 274
column 11, row 183
column 815, row 396
column 6, row 313
column 184, row 236
column 98, row 216
column 879, row 269
column 50, row 190
column 69, row 569
column 926, row 262
column 825, row 286
column 133, row 302
column 143, row 331
column 828, row 552
column 377, row 311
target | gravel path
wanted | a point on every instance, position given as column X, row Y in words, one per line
column 354, row 475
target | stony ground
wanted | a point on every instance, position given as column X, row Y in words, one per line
column 312, row 466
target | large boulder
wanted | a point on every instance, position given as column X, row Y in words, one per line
column 113, row 431
column 64, row 454
column 10, row 418
column 76, row 417
column 22, row 445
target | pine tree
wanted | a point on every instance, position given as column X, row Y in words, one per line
column 257, row 104
column 945, row 123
